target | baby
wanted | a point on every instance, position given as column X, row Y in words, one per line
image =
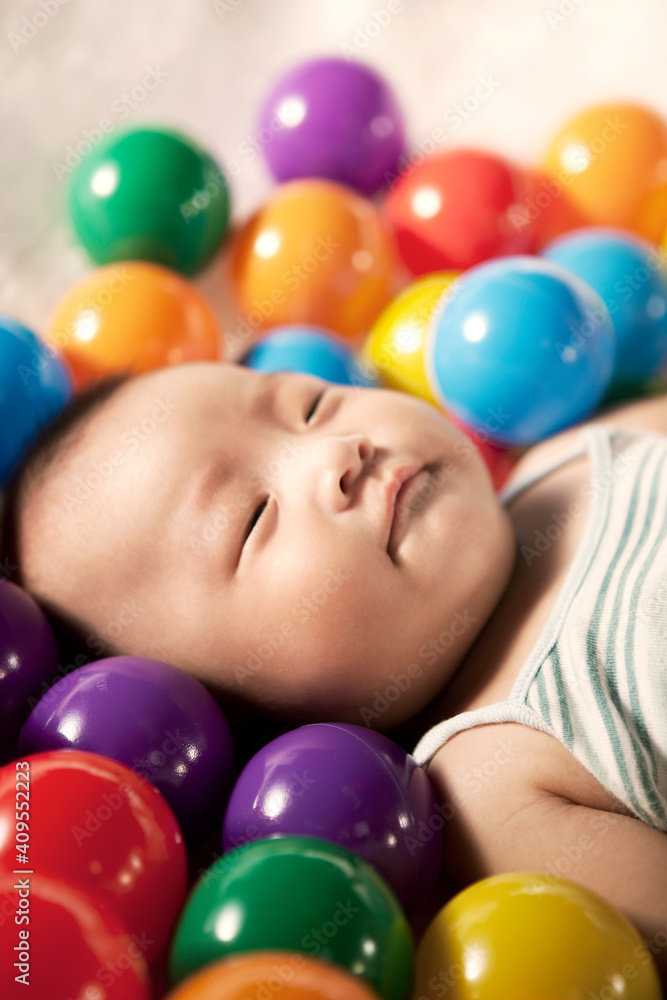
column 328, row 552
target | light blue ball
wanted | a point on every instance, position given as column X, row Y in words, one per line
column 34, row 387
column 630, row 275
column 310, row 350
column 519, row 349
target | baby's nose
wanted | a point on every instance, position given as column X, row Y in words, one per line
column 339, row 464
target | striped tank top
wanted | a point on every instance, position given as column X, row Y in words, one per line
column 596, row 679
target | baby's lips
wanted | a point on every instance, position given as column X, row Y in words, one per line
column 404, row 505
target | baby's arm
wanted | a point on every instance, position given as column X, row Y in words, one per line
column 520, row 820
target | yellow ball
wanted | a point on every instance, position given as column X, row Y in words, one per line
column 395, row 344
column 525, row 936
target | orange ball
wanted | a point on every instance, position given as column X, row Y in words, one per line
column 289, row 975
column 315, row 253
column 612, row 160
column 132, row 315
column 550, row 208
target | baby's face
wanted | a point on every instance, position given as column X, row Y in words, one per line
column 238, row 525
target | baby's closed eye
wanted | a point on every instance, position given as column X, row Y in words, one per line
column 255, row 518
column 313, row 408
column 259, row 510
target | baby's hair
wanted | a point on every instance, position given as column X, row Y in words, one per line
column 41, row 456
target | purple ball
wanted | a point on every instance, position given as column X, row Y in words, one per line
column 28, row 662
column 152, row 717
column 349, row 785
column 332, row 118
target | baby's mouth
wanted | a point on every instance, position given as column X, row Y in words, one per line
column 410, row 498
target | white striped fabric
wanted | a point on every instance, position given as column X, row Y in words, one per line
column 596, row 678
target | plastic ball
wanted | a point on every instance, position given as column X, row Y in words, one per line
column 265, row 973
column 152, row 717
column 631, row 277
column 349, row 785
column 133, row 315
column 549, row 208
column 149, row 194
column 499, row 461
column 310, row 350
column 612, row 159
column 297, row 894
column 35, row 384
column 520, row 936
column 72, row 941
column 458, row 208
column 96, row 824
column 332, row 118
column 28, row 661
column 523, row 350
column 315, row 253
column 395, row 345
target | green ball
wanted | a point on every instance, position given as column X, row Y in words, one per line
column 298, row 894
column 150, row 194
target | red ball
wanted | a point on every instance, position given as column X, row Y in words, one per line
column 92, row 822
column 57, row 941
column 499, row 461
column 458, row 208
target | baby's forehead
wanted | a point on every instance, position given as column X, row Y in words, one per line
column 165, row 392
column 182, row 379
column 119, row 474
column 119, row 446
column 138, row 408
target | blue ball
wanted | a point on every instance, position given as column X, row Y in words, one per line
column 34, row 387
column 630, row 275
column 519, row 349
column 310, row 350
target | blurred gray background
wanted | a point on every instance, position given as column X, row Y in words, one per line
column 65, row 66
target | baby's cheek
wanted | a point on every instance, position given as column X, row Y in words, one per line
column 328, row 578
column 323, row 607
